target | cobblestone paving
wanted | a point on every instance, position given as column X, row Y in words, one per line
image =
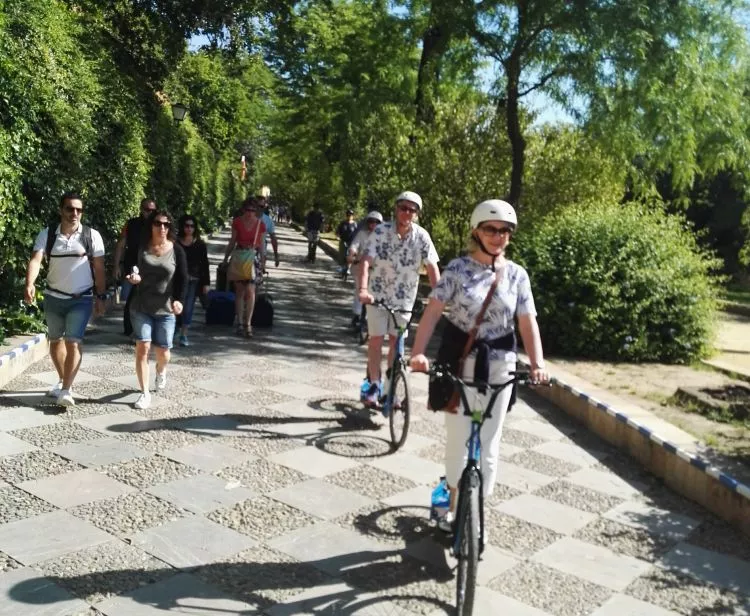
column 257, row 485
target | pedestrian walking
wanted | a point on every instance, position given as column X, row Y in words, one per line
column 244, row 248
column 76, row 285
column 126, row 256
column 199, row 277
column 160, row 281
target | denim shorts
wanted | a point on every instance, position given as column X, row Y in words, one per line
column 155, row 328
column 67, row 318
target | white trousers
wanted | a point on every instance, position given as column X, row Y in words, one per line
column 458, row 427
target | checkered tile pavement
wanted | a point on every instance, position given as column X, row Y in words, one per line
column 257, row 485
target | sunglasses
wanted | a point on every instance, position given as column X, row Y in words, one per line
column 406, row 208
column 493, row 230
column 70, row 209
column 189, row 224
column 162, row 223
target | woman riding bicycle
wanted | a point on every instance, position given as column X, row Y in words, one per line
column 356, row 246
column 463, row 287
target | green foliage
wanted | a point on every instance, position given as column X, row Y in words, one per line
column 564, row 167
column 620, row 282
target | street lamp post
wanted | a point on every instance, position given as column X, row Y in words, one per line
column 178, row 112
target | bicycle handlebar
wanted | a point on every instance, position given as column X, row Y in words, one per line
column 381, row 304
column 521, row 377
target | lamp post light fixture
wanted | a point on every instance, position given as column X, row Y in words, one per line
column 178, row 112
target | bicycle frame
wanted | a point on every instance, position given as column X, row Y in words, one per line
column 474, row 445
column 400, row 352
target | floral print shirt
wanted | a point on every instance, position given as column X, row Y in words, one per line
column 463, row 287
column 396, row 261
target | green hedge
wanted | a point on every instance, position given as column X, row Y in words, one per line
column 71, row 119
column 620, row 282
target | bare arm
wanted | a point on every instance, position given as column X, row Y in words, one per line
column 32, row 272
column 363, row 279
column 230, row 245
column 427, row 323
column 100, row 278
column 433, row 273
column 119, row 248
column 532, row 344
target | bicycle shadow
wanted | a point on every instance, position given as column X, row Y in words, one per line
column 344, row 584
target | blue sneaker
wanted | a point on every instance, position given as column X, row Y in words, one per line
column 372, row 397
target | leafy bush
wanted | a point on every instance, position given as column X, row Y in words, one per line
column 620, row 282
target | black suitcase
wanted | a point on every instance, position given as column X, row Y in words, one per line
column 221, row 277
column 263, row 312
column 220, row 309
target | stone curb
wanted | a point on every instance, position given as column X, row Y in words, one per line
column 18, row 359
column 684, row 472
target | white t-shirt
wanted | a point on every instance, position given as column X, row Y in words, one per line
column 396, row 261
column 463, row 287
column 69, row 274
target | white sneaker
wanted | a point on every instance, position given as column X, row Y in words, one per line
column 65, row 398
column 144, row 401
column 161, row 381
column 55, row 390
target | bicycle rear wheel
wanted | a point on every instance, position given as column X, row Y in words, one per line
column 468, row 552
column 399, row 413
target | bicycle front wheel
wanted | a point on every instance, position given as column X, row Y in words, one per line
column 468, row 546
column 400, row 403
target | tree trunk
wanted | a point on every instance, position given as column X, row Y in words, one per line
column 515, row 134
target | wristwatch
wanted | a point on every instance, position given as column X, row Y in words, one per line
column 538, row 365
column 101, row 296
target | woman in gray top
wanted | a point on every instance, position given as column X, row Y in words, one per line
column 160, row 282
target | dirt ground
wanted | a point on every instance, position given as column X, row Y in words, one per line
column 651, row 385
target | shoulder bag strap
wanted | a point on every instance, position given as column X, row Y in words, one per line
column 474, row 330
column 257, row 232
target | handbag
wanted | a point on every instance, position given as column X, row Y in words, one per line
column 242, row 263
column 443, row 393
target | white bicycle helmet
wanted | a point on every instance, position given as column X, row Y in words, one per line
column 375, row 216
column 494, row 209
column 409, row 195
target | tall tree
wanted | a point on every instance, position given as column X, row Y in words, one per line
column 644, row 70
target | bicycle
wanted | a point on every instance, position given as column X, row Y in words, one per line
column 312, row 244
column 468, row 528
column 398, row 414
column 362, row 331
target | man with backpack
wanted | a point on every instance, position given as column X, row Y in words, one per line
column 75, row 277
column 313, row 226
column 127, row 245
column 345, row 232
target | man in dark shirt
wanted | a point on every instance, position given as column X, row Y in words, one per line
column 345, row 232
column 313, row 226
column 126, row 252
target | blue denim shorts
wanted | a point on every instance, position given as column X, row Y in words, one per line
column 67, row 318
column 155, row 328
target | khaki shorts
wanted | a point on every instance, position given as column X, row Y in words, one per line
column 380, row 323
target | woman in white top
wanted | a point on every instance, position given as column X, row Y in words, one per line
column 463, row 287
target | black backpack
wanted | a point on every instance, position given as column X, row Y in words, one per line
column 86, row 240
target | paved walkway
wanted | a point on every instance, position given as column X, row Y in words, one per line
column 732, row 344
column 256, row 485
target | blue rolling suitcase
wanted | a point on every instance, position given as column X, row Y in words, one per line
column 220, row 309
